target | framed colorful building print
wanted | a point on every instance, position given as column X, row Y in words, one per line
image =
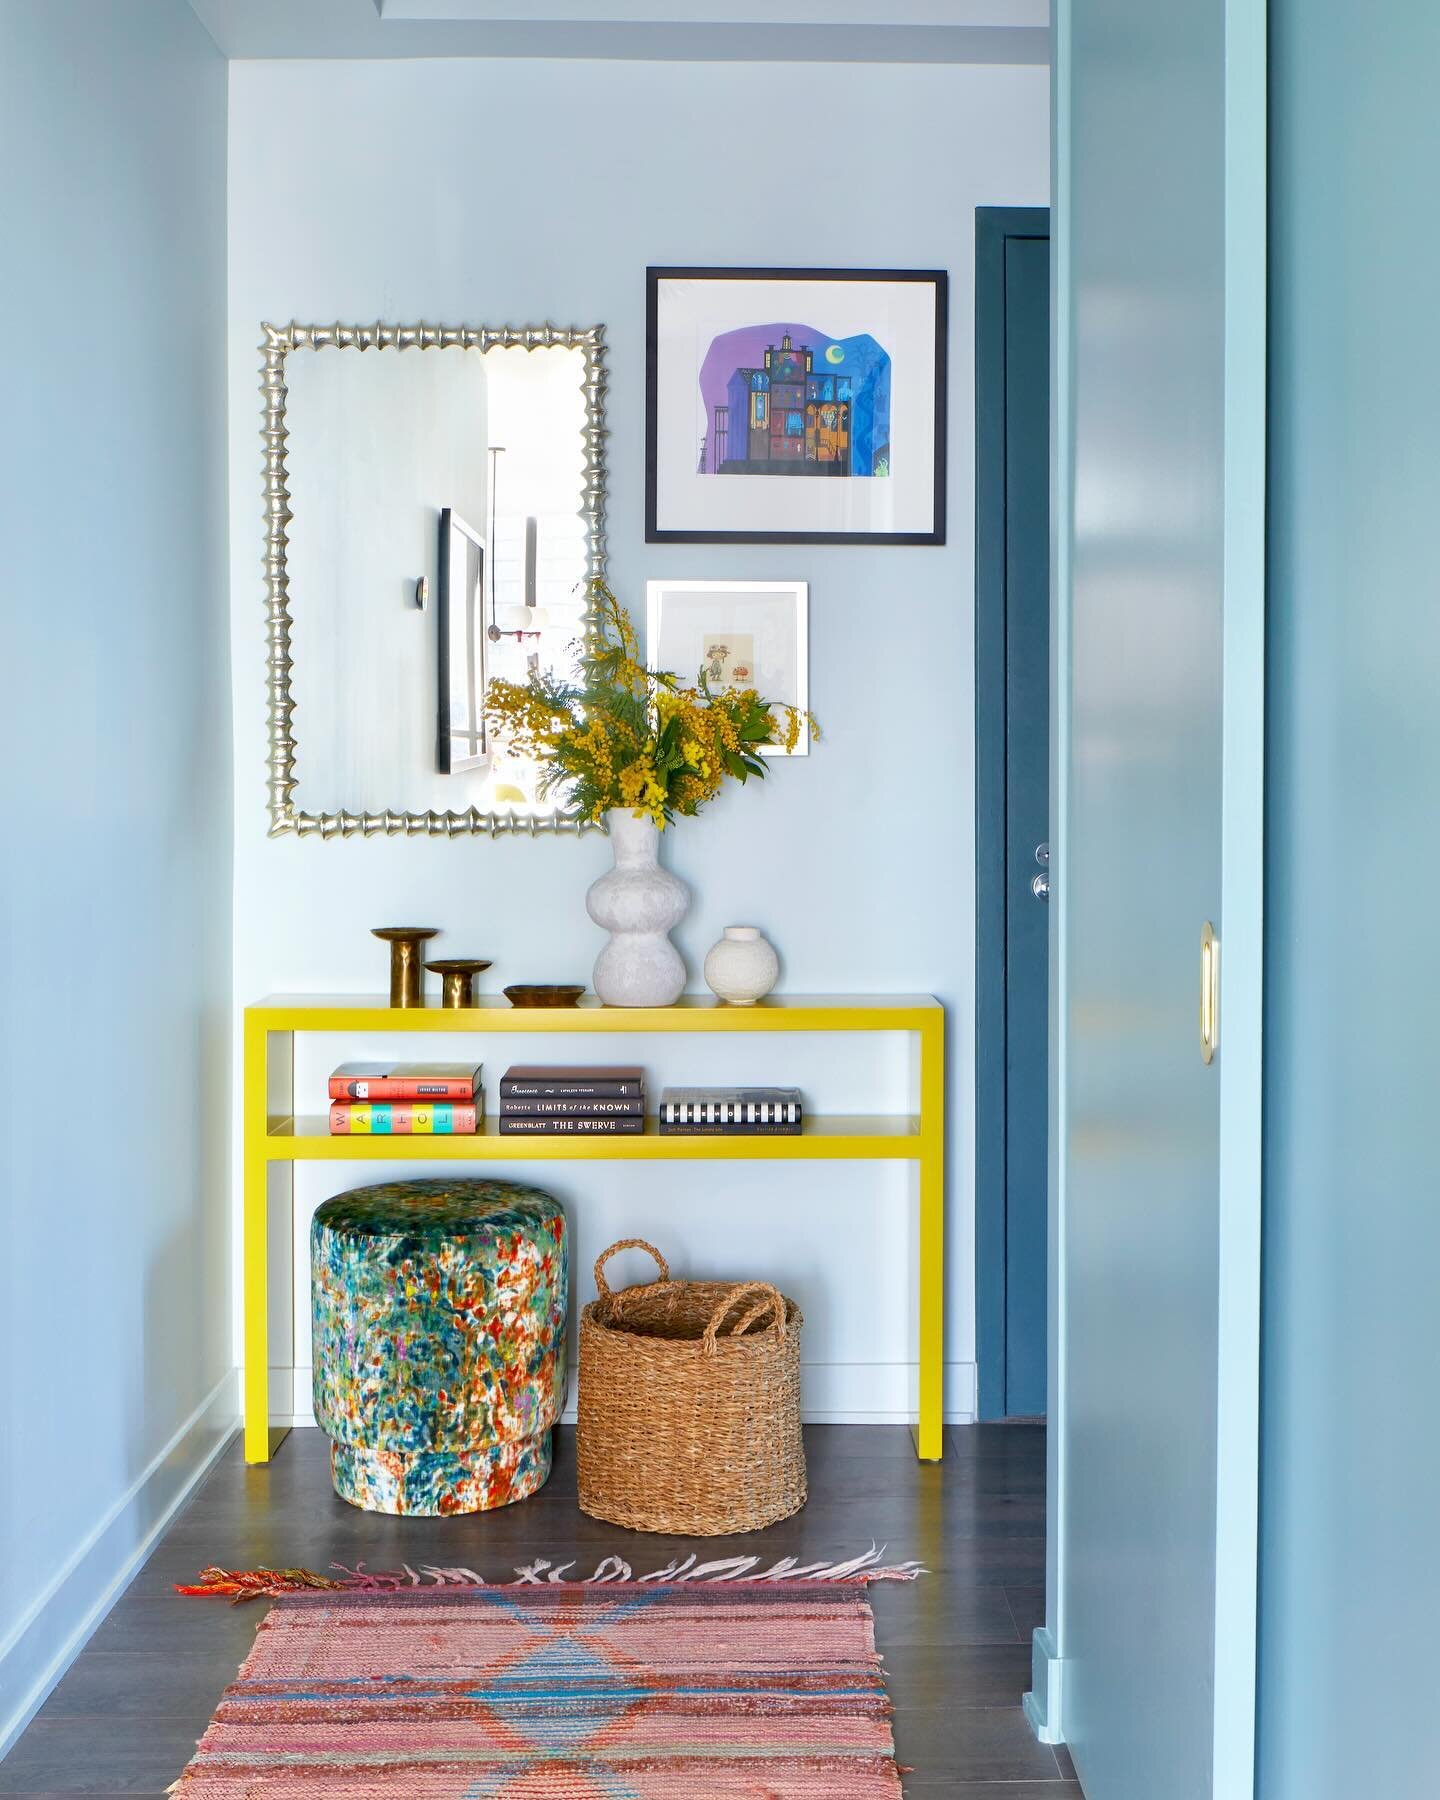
column 795, row 406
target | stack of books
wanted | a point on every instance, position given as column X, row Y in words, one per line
column 406, row 1099
column 540, row 1097
column 731, row 1112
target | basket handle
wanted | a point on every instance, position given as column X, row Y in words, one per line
column 771, row 1300
column 601, row 1286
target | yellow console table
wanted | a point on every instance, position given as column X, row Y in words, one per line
column 276, row 1137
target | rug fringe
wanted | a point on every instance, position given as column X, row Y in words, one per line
column 250, row 1584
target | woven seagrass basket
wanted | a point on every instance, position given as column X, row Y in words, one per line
column 689, row 1408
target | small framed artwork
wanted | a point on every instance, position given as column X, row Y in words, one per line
column 795, row 406
column 742, row 634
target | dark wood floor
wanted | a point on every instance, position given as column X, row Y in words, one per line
column 956, row 1643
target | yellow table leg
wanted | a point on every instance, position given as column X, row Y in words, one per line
column 256, row 1246
column 930, row 1431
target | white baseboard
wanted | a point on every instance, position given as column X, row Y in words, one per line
column 830, row 1394
column 879, row 1393
column 1042, row 1704
column 53, row 1629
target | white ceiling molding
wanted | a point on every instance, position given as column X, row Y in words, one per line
column 809, row 13
column 923, row 31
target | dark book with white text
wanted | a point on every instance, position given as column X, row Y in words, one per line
column 542, row 1081
column 600, row 1127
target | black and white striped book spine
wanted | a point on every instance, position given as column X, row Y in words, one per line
column 722, row 1112
column 740, row 1111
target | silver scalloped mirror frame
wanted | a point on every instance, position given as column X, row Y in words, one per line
column 280, row 341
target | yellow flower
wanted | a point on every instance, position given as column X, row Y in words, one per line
column 635, row 780
column 593, row 739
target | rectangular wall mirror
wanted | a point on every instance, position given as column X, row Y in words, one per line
column 435, row 504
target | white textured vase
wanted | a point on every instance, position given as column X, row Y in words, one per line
column 743, row 967
column 638, row 903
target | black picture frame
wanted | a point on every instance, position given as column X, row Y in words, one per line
column 458, row 538
column 654, row 534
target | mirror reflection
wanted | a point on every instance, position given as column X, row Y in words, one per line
column 460, row 634
column 437, row 540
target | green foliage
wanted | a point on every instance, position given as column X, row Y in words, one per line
column 625, row 735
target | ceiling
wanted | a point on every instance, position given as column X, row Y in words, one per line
column 982, row 31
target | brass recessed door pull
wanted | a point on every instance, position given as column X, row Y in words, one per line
column 1209, row 993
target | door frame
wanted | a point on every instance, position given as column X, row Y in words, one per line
column 994, row 227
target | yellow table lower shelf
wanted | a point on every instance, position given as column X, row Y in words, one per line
column 841, row 1137
column 276, row 1138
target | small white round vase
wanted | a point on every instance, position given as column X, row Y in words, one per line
column 743, row 967
column 638, row 903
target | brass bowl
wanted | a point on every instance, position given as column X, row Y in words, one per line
column 545, row 994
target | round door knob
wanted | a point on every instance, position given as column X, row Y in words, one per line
column 1040, row 887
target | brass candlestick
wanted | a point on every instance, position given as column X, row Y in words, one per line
column 406, row 981
column 459, row 974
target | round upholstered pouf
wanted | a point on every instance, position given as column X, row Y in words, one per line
column 439, row 1312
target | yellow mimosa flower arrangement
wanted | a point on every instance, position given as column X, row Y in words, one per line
column 623, row 735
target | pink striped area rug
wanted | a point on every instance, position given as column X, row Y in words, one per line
column 731, row 1691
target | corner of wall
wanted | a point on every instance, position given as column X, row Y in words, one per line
column 45, row 1640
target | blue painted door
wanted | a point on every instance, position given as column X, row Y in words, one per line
column 1027, row 812
column 1012, row 752
column 1160, row 272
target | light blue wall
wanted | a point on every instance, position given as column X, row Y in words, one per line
column 537, row 190
column 114, row 740
column 1350, row 1569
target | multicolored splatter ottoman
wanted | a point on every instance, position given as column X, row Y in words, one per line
column 439, row 1342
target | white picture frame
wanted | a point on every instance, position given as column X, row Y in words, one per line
column 762, row 626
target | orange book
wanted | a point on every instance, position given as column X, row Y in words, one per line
column 404, row 1081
